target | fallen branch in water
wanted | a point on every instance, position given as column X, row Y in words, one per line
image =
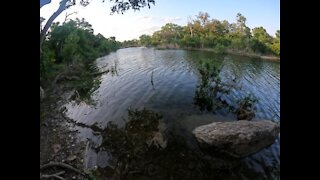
column 56, row 175
column 66, row 166
column 99, row 73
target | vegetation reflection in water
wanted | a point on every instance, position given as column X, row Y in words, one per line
column 142, row 150
column 210, row 91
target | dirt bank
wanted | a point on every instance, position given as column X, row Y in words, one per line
column 58, row 143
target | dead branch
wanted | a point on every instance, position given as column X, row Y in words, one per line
column 67, row 15
column 56, row 175
column 64, row 165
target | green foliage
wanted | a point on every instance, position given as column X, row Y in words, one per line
column 124, row 5
column 130, row 43
column 207, row 95
column 245, row 109
column 258, row 47
column 145, row 40
column 261, row 35
column 134, row 156
column 68, row 52
column 275, row 46
column 204, row 32
column 70, row 47
column 47, row 60
column 212, row 90
column 220, row 48
column 132, row 140
column 170, row 34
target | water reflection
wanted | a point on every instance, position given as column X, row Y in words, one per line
column 207, row 95
column 143, row 150
column 169, row 82
column 211, row 91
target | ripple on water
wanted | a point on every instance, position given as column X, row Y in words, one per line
column 165, row 81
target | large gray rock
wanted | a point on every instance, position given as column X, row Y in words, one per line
column 237, row 138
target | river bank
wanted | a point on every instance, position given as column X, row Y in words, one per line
column 59, row 142
column 133, row 84
column 267, row 57
column 228, row 51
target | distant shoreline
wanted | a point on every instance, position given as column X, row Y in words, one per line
column 239, row 53
column 272, row 58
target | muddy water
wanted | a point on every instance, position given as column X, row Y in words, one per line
column 165, row 82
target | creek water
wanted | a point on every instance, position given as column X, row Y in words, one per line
column 165, row 81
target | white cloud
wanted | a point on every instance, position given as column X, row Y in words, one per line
column 149, row 30
column 171, row 19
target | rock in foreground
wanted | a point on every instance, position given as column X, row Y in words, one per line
column 237, row 138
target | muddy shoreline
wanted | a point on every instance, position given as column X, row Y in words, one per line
column 58, row 143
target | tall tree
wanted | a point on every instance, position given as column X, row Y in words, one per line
column 119, row 6
column 241, row 25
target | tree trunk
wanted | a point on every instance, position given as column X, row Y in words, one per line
column 44, row 2
column 191, row 31
column 61, row 8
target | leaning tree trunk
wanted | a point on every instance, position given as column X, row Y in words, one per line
column 43, row 33
column 44, row 2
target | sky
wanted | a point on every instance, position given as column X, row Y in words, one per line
column 131, row 25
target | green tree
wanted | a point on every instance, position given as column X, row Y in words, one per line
column 203, row 32
column 170, row 33
column 119, row 6
column 261, row 35
column 275, row 46
column 145, row 40
column 241, row 25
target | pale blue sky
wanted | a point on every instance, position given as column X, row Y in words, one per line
column 132, row 24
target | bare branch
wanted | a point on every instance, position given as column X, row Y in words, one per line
column 67, row 15
column 56, row 175
column 67, row 166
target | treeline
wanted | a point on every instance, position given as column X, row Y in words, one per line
column 221, row 36
column 68, row 52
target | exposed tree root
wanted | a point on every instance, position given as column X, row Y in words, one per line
column 62, row 165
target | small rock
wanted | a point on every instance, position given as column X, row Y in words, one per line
column 56, row 148
column 71, row 158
